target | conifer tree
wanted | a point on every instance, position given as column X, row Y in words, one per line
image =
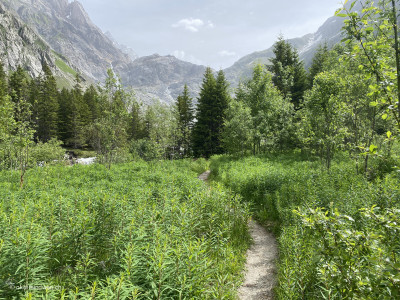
column 137, row 126
column 46, row 106
column 221, row 105
column 92, row 101
column 3, row 81
column 185, row 115
column 318, row 63
column 289, row 74
column 212, row 103
column 65, row 97
column 19, row 85
column 79, row 116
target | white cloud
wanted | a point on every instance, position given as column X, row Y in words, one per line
column 179, row 54
column 225, row 53
column 182, row 55
column 193, row 25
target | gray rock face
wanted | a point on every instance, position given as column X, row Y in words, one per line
column 21, row 46
column 154, row 76
column 67, row 28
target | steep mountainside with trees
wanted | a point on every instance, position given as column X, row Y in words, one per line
column 329, row 33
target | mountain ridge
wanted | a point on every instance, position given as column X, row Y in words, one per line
column 68, row 30
column 21, row 46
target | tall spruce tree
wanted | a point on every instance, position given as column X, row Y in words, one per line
column 318, row 63
column 92, row 100
column 136, row 128
column 19, row 85
column 185, row 115
column 289, row 75
column 212, row 103
column 65, row 97
column 3, row 81
column 46, row 106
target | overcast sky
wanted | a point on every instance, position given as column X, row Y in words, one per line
column 214, row 33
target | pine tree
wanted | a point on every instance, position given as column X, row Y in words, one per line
column 47, row 106
column 221, row 105
column 318, row 63
column 79, row 117
column 3, row 81
column 212, row 103
column 289, row 74
column 185, row 115
column 136, row 124
column 19, row 85
column 92, row 100
column 65, row 97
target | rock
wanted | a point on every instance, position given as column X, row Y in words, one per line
column 20, row 45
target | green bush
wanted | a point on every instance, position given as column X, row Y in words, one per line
column 146, row 149
column 50, row 152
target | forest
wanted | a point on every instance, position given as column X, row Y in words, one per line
column 313, row 155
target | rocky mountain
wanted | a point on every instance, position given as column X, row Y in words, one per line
column 61, row 33
column 67, row 28
column 329, row 32
column 21, row 46
column 154, row 76
column 125, row 49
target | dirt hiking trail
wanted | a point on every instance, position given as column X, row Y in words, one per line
column 260, row 271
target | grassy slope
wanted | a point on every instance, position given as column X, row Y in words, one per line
column 145, row 230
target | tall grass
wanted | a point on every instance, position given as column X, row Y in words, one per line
column 137, row 231
column 338, row 232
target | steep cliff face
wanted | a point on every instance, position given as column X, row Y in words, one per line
column 21, row 46
column 154, row 76
column 67, row 28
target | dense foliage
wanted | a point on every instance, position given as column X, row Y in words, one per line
column 211, row 110
column 137, row 231
column 338, row 233
column 152, row 231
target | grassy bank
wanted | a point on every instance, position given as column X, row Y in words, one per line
column 137, row 231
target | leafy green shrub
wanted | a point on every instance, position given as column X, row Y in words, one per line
column 146, row 149
column 49, row 152
column 356, row 263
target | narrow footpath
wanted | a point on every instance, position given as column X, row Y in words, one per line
column 260, row 271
